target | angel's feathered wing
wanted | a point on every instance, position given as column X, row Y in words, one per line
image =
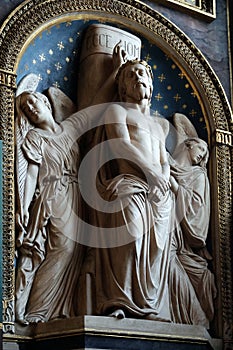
column 62, row 105
column 184, row 127
column 21, row 173
column 28, row 83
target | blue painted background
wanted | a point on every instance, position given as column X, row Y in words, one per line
column 54, row 56
column 210, row 37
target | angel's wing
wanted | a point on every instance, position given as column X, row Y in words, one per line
column 184, row 127
column 61, row 104
column 28, row 83
column 21, row 172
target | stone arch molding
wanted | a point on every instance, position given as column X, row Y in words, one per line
column 25, row 23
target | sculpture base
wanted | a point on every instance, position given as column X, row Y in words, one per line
column 93, row 332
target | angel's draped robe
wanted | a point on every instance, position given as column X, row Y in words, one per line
column 51, row 256
column 191, row 283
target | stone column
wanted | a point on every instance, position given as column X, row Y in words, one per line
column 95, row 65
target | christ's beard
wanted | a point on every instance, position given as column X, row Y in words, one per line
column 140, row 93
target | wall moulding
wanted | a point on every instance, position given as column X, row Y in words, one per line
column 205, row 9
column 30, row 19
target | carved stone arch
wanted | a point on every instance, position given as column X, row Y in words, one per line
column 25, row 23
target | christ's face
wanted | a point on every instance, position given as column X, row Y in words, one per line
column 137, row 82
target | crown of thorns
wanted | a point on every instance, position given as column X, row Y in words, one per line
column 132, row 62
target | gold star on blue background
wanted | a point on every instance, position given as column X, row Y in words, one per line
column 54, row 57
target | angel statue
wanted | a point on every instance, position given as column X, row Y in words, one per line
column 47, row 161
column 191, row 283
column 49, row 256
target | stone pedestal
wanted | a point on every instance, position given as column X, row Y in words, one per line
column 92, row 333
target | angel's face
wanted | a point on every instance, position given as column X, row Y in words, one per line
column 34, row 108
column 197, row 152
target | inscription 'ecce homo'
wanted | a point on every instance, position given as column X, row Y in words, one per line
column 106, row 41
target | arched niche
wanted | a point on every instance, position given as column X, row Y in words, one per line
column 25, row 24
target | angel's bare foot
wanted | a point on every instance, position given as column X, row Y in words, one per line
column 22, row 321
column 154, row 317
column 19, row 316
column 34, row 319
column 119, row 313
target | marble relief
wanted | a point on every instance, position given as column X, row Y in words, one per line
column 101, row 197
